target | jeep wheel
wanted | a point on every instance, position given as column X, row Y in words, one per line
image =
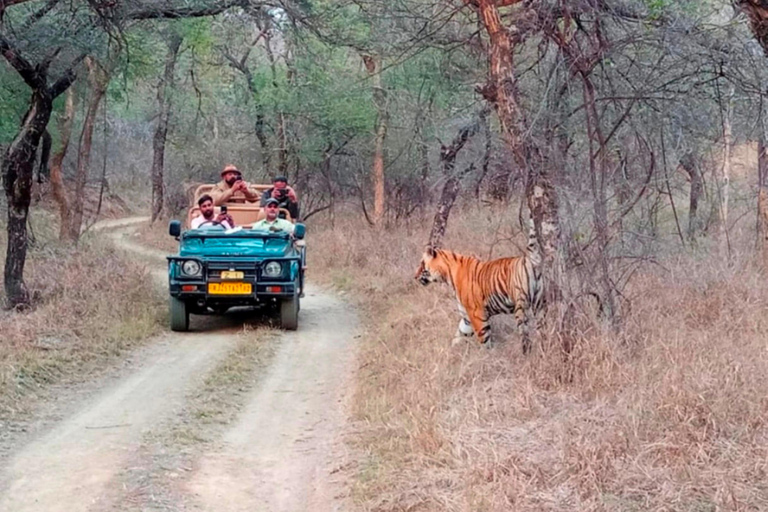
column 179, row 315
column 289, row 313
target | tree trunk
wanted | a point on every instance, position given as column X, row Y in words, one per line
column 380, row 100
column 688, row 164
column 502, row 92
column 57, row 179
column 725, row 176
column 762, row 192
column 423, row 151
column 598, row 171
column 453, row 180
column 488, row 146
column 282, row 155
column 161, row 132
column 757, row 12
column 98, row 79
column 19, row 160
column 18, row 168
column 43, row 172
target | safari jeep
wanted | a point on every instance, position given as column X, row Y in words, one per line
column 218, row 269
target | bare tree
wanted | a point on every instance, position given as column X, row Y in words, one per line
column 453, row 179
column 161, row 131
column 373, row 66
column 98, row 80
column 19, row 158
column 60, row 194
column 260, row 125
column 690, row 165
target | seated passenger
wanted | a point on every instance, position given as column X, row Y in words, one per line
column 273, row 222
column 285, row 195
column 232, row 188
column 206, row 217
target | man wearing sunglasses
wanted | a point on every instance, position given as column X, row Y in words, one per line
column 273, row 222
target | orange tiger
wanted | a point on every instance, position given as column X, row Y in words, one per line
column 487, row 288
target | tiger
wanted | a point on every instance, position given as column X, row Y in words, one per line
column 487, row 288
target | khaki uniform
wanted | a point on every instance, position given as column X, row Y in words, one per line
column 276, row 225
column 222, row 193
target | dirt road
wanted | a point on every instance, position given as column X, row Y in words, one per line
column 278, row 455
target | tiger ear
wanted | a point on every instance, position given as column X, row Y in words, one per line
column 431, row 252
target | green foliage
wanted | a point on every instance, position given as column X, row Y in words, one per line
column 197, row 35
column 14, row 95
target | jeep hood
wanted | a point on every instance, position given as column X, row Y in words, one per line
column 214, row 246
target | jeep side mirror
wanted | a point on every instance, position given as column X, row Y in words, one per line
column 174, row 228
column 299, row 230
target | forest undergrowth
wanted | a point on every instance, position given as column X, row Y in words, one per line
column 668, row 412
column 91, row 304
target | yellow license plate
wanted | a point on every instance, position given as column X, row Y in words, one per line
column 229, row 288
column 230, row 274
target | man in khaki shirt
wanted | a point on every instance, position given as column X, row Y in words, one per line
column 232, row 188
column 273, row 222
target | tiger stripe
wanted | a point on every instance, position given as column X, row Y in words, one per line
column 486, row 288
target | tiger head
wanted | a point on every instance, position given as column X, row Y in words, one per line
column 432, row 268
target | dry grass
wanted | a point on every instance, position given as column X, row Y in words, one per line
column 668, row 414
column 156, row 236
column 92, row 304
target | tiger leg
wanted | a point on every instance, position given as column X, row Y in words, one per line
column 463, row 332
column 480, row 325
column 521, row 316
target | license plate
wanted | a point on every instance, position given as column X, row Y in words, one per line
column 229, row 288
column 230, row 274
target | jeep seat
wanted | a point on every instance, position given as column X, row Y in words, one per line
column 206, row 189
column 242, row 214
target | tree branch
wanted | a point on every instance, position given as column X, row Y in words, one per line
column 44, row 64
column 69, row 76
column 148, row 12
column 19, row 63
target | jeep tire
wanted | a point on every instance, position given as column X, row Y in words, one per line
column 179, row 315
column 289, row 313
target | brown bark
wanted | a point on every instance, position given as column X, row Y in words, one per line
column 757, row 12
column 502, row 92
column 161, row 131
column 57, row 180
column 98, row 79
column 373, row 66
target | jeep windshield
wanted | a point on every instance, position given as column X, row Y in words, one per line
column 242, row 243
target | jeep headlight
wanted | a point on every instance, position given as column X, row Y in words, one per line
column 273, row 269
column 191, row 268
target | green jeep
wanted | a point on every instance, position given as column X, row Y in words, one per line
column 217, row 269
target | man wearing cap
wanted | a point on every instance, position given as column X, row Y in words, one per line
column 232, row 188
column 285, row 196
column 273, row 222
